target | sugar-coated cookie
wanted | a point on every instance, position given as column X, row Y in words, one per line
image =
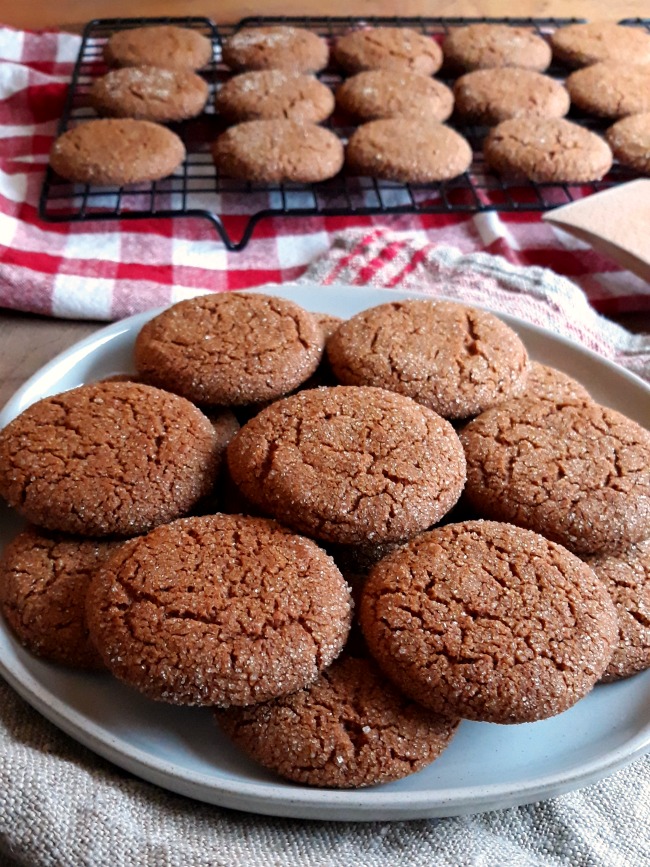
column 488, row 622
column 218, row 610
column 629, row 139
column 593, row 41
column 149, row 93
column 162, row 45
column 378, row 93
column 611, row 89
column 488, row 96
column 113, row 458
column 481, row 46
column 548, row 383
column 349, row 464
column 351, row 728
column 116, row 151
column 267, row 93
column 399, row 48
column 276, row 47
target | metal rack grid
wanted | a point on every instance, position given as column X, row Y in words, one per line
column 196, row 189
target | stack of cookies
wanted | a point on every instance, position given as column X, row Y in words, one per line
column 196, row 529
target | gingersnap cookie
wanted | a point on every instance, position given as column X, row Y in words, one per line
column 43, row 584
column 548, row 383
column 349, row 464
column 276, row 47
column 351, row 728
column 627, row 579
column 408, row 150
column 629, row 139
column 377, row 93
column 398, row 48
column 484, row 46
column 278, row 150
column 149, row 93
column 113, row 458
column 269, row 93
column 579, row 473
column 230, row 348
column 488, row 96
column 546, row 150
column 116, row 152
column 488, row 622
column 163, row 45
column 610, row 89
column 587, row 43
column 453, row 359
column 218, row 610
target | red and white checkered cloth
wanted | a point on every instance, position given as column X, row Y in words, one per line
column 111, row 269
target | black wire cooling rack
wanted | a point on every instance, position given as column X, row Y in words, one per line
column 196, row 189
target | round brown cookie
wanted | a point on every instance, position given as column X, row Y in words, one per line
column 548, row 383
column 109, row 458
column 629, row 140
column 408, row 150
column 269, row 93
column 149, row 93
column 379, row 93
column 278, row 150
column 627, row 579
column 398, row 48
column 488, row 96
column 351, row 728
column 164, row 45
column 43, row 584
column 547, row 150
column 323, row 374
column 229, row 348
column 116, row 152
column 454, row 359
column 327, row 323
column 488, row 622
column 587, row 43
column 226, row 425
column 276, row 47
column 483, row 46
column 219, row 610
column 611, row 89
column 579, row 473
column 349, row 464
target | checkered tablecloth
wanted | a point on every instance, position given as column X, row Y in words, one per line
column 110, row 269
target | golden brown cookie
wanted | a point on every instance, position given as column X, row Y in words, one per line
column 268, row 93
column 278, row 150
column 276, row 47
column 547, row 150
column 113, row 458
column 162, row 45
column 149, row 93
column 349, row 464
column 483, row 46
column 627, row 579
column 43, row 583
column 591, row 42
column 456, row 360
column 488, row 622
column 629, row 139
column 488, row 96
column 378, row 93
column 408, row 150
column 548, row 383
column 611, row 89
column 230, row 348
column 398, row 48
column 350, row 728
column 116, row 152
column 218, row 610
column 578, row 473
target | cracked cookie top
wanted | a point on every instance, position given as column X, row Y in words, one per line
column 219, row 610
column 489, row 622
column 229, row 348
column 611, row 89
column 590, row 42
column 162, row 45
column 349, row 464
column 276, row 47
column 350, row 728
column 378, row 93
column 397, row 48
column 269, row 93
column 484, row 46
column 113, row 458
column 149, row 93
column 454, row 359
column 579, row 473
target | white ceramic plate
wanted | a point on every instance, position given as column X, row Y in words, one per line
column 486, row 767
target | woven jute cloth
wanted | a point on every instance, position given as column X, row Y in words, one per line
column 62, row 805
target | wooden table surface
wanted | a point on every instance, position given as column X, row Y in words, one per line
column 27, row 342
